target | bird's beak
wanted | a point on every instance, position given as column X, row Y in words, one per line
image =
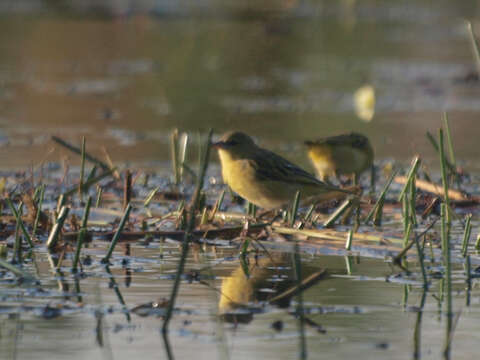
column 219, row 145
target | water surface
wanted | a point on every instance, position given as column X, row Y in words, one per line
column 126, row 73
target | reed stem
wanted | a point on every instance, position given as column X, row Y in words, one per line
column 466, row 234
column 348, row 244
column 377, row 208
column 81, row 234
column 39, row 210
column 468, row 273
column 90, row 182
column 337, row 213
column 99, row 196
column 190, row 226
column 20, row 222
column 53, row 237
column 421, row 258
column 82, row 170
column 432, row 140
column 411, row 174
column 117, row 234
column 449, row 140
column 218, row 205
column 300, row 306
column 150, row 196
column 448, row 277
column 293, row 214
column 475, row 47
column 78, row 151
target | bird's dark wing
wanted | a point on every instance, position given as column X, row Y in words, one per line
column 352, row 139
column 272, row 167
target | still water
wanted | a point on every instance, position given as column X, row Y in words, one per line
column 125, row 73
column 363, row 314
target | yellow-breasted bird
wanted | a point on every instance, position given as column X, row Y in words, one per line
column 265, row 178
column 340, row 155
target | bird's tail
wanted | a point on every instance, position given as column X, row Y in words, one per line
column 333, row 193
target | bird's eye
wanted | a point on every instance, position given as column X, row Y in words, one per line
column 232, row 142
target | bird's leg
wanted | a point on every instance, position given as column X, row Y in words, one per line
column 265, row 213
column 372, row 179
column 341, row 180
column 355, row 179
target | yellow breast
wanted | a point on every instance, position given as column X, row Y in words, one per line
column 341, row 159
column 241, row 176
column 322, row 160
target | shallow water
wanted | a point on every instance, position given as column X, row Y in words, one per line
column 363, row 307
column 124, row 74
column 360, row 314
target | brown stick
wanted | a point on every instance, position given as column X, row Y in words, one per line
column 333, row 235
column 226, row 232
column 116, row 174
column 78, row 151
column 434, row 188
column 306, row 283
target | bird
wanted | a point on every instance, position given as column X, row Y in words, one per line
column 344, row 154
column 265, row 178
column 364, row 102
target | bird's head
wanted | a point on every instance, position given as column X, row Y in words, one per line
column 236, row 144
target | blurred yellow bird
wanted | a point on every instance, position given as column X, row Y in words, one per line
column 340, row 155
column 364, row 102
column 265, row 178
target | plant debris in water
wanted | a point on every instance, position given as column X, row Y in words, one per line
column 49, row 214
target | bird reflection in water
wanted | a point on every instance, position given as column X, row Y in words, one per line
column 268, row 280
